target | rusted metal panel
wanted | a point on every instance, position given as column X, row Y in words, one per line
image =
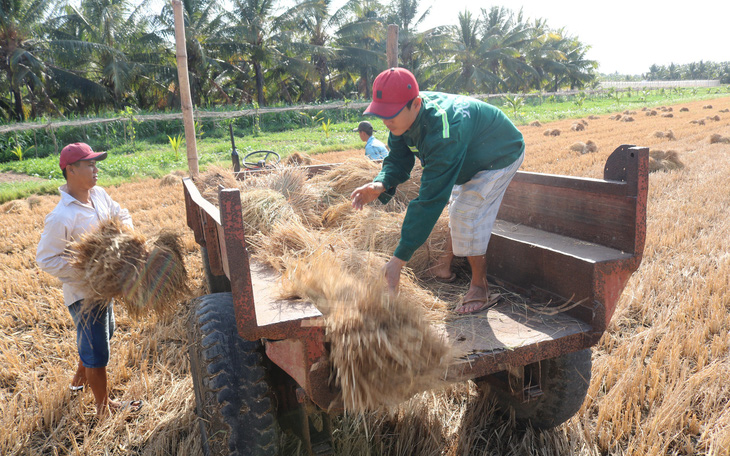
column 237, row 259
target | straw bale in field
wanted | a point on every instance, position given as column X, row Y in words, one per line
column 591, row 146
column 382, row 348
column 651, row 113
column 592, row 117
column 577, row 127
column 33, row 201
column 717, row 138
column 685, row 109
column 707, row 107
column 725, row 110
column 668, row 115
column 552, row 132
column 669, row 134
column 664, row 161
column 627, row 119
column 714, row 118
column 13, row 207
column 578, row 147
column 535, row 123
column 169, row 180
column 298, row 159
column 583, row 121
column 698, row 121
column 630, row 113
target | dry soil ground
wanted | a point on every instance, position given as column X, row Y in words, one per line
column 660, row 376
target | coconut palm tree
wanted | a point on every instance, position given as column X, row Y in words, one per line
column 21, row 47
column 207, row 71
column 93, row 45
column 362, row 43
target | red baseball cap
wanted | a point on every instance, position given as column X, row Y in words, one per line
column 76, row 152
column 392, row 90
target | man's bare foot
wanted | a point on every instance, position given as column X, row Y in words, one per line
column 441, row 272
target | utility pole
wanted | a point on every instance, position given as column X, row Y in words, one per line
column 186, row 100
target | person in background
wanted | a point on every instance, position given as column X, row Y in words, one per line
column 374, row 149
column 82, row 207
column 469, row 150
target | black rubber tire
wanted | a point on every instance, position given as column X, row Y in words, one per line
column 216, row 284
column 564, row 381
column 237, row 415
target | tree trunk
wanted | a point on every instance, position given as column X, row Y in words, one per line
column 18, row 102
column 259, row 83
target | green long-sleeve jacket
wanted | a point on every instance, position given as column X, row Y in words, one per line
column 455, row 137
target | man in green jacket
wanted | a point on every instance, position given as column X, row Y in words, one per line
column 469, row 151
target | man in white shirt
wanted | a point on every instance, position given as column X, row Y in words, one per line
column 82, row 207
column 374, row 148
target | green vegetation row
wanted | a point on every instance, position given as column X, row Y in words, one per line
column 312, row 133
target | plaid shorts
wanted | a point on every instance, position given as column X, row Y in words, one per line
column 473, row 209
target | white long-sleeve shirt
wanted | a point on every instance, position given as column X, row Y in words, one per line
column 66, row 223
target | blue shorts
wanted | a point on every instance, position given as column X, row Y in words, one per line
column 93, row 331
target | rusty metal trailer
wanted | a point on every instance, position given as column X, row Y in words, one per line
column 565, row 245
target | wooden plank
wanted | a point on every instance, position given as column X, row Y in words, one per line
column 602, row 218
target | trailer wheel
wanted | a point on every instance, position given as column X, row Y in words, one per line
column 234, row 402
column 564, row 382
column 216, row 283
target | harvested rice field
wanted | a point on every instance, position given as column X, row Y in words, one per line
column 659, row 383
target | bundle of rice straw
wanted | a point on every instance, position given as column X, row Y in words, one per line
column 208, row 182
column 664, row 161
column 162, row 282
column 293, row 184
column 297, row 159
column 378, row 231
column 118, row 263
column 263, row 208
column 351, row 174
column 382, row 348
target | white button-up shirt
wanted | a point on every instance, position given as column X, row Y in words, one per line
column 65, row 224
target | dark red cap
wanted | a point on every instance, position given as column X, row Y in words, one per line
column 76, row 152
column 392, row 90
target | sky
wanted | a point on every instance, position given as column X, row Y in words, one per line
column 625, row 36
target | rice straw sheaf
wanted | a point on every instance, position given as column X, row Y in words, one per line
column 664, row 161
column 293, row 184
column 208, row 182
column 382, row 348
column 162, row 282
column 353, row 173
column 378, row 231
column 109, row 259
column 298, row 159
column 263, row 208
column 290, row 238
column 118, row 263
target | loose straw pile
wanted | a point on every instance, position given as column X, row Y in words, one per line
column 383, row 348
column 118, row 263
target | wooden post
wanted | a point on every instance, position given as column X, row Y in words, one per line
column 185, row 98
column 392, row 46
